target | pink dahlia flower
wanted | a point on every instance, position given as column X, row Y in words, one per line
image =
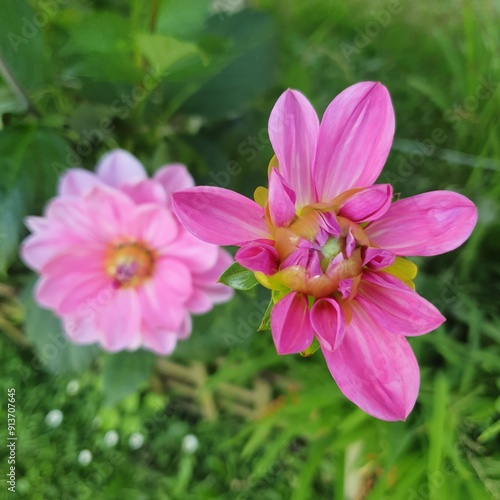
column 332, row 246
column 114, row 262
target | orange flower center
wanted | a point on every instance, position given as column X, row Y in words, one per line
column 129, row 264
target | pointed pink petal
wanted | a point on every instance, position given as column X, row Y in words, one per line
column 173, row 177
column 146, row 191
column 291, row 324
column 120, row 321
column 426, row 224
column 77, row 181
column 328, row 322
column 258, row 257
column 375, row 369
column 281, row 200
column 396, row 307
column 293, row 130
column 36, row 224
column 354, row 140
column 368, row 204
column 378, row 258
column 220, row 216
column 119, row 167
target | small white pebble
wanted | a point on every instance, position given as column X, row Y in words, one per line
column 111, row 438
column 190, row 444
column 136, row 440
column 73, row 387
column 85, row 457
column 54, row 418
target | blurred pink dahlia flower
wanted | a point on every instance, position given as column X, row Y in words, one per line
column 332, row 245
column 115, row 264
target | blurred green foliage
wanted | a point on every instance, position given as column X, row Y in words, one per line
column 194, row 82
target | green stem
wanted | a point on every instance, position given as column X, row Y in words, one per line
column 16, row 88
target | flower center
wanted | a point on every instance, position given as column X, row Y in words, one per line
column 320, row 253
column 129, row 264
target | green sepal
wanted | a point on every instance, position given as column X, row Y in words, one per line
column 311, row 349
column 266, row 320
column 238, row 277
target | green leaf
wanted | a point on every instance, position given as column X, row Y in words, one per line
column 181, row 18
column 162, row 52
column 238, row 277
column 54, row 351
column 30, row 161
column 22, row 44
column 244, row 73
column 125, row 372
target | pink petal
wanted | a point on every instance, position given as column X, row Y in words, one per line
column 354, row 140
column 109, row 213
column 37, row 249
column 146, row 191
column 36, row 224
column 160, row 341
column 281, row 200
column 120, row 321
column 396, row 307
column 194, row 253
column 291, row 324
column 205, row 284
column 378, row 258
column 173, row 177
column 162, row 297
column 328, row 322
column 220, row 216
column 375, row 369
column 80, row 329
column 70, row 279
column 260, row 257
column 77, row 181
column 293, row 130
column 426, row 224
column 119, row 167
column 153, row 225
column 368, row 204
